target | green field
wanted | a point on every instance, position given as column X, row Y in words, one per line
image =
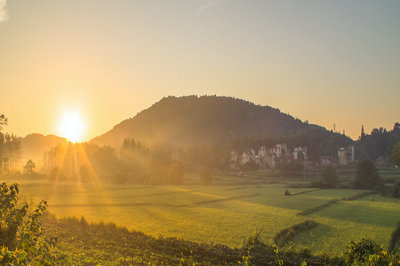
column 224, row 213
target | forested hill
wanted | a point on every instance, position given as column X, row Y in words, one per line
column 189, row 120
column 34, row 145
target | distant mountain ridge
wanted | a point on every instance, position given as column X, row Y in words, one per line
column 34, row 145
column 188, row 120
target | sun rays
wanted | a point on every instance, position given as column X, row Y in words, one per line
column 72, row 126
column 71, row 166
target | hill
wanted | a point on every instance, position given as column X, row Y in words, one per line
column 188, row 120
column 34, row 145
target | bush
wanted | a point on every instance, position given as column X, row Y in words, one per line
column 329, row 178
column 20, row 231
column 367, row 176
column 359, row 252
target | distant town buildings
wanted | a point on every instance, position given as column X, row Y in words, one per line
column 346, row 156
column 268, row 157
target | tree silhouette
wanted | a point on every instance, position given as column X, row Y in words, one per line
column 329, row 178
column 367, row 176
column 395, row 156
column 3, row 121
column 29, row 166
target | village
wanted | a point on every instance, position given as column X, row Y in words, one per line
column 269, row 157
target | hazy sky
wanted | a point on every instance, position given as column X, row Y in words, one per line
column 323, row 61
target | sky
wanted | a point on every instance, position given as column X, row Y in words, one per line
column 328, row 62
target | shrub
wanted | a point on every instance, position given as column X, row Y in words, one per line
column 20, row 231
column 329, row 178
column 396, row 191
column 359, row 252
column 367, row 176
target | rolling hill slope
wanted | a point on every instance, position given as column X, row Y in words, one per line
column 189, row 120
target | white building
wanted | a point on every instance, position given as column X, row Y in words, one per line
column 297, row 151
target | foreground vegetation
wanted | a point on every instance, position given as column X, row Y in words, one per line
column 47, row 240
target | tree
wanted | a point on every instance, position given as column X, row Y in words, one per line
column 3, row 121
column 367, row 176
column 20, row 232
column 329, row 178
column 29, row 166
column 395, row 156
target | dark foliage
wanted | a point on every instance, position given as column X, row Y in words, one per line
column 365, row 251
column 329, row 178
column 396, row 191
column 395, row 155
column 379, row 143
column 367, row 177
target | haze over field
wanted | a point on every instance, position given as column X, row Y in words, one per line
column 330, row 62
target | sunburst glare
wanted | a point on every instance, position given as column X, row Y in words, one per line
column 72, row 126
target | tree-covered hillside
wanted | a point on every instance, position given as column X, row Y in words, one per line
column 184, row 121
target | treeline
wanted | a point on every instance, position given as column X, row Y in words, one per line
column 10, row 147
column 132, row 163
column 380, row 142
column 319, row 141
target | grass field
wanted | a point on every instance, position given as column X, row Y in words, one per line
column 224, row 213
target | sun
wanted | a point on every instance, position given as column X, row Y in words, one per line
column 72, row 126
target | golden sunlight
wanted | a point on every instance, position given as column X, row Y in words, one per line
column 72, row 126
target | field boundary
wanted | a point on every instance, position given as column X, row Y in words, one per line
column 304, row 192
column 331, row 202
column 358, row 196
column 187, row 205
column 395, row 238
column 235, row 188
column 284, row 236
column 219, row 200
column 317, row 208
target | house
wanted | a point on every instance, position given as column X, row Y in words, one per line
column 279, row 150
column 342, row 156
column 267, row 157
column 269, row 160
column 346, row 156
column 350, row 154
column 263, row 151
column 234, row 158
column 300, row 152
column 247, row 156
column 327, row 159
